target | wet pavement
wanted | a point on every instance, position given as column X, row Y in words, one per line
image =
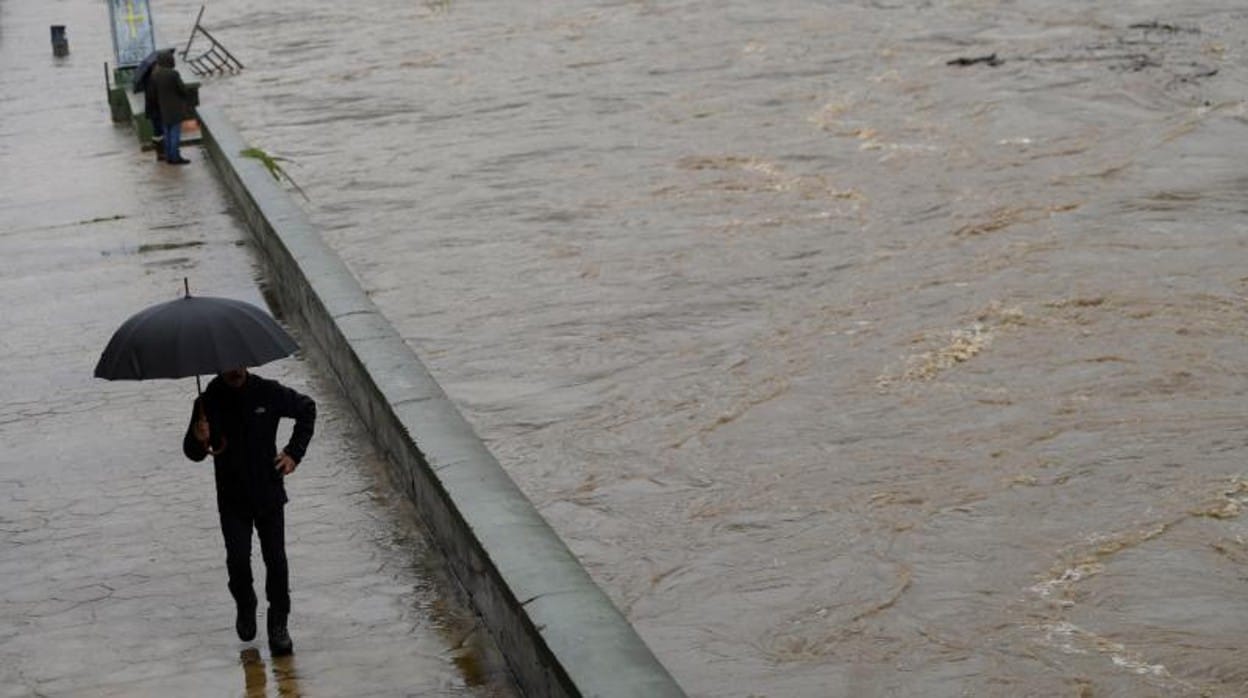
column 112, row 574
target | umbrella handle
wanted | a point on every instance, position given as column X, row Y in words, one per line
column 208, row 444
column 214, row 451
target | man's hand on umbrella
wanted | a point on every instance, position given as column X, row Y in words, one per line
column 204, row 434
column 284, row 464
column 201, row 430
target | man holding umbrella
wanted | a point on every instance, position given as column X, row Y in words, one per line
column 176, row 104
column 235, row 420
column 151, row 101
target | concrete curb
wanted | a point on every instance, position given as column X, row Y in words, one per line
column 559, row 632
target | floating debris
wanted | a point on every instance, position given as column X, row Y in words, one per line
column 1163, row 27
column 991, row 60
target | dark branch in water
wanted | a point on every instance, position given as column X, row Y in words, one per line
column 991, row 59
column 1162, row 27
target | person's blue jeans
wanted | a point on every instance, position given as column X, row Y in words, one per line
column 173, row 139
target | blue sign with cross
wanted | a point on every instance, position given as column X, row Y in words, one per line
column 133, row 37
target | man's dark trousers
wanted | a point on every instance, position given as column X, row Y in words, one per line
column 270, row 526
column 250, row 489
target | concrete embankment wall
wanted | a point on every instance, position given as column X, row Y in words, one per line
column 560, row 634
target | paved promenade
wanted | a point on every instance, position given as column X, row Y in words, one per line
column 112, row 570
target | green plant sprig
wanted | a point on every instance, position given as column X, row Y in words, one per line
column 276, row 170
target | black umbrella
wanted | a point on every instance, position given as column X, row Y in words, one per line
column 191, row 336
column 144, row 69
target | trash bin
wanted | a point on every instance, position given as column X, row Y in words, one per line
column 60, row 44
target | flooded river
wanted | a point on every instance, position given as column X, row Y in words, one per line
column 844, row 369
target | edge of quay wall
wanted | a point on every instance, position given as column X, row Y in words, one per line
column 559, row 633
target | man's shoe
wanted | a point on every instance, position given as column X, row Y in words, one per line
column 280, row 643
column 180, row 161
column 245, row 623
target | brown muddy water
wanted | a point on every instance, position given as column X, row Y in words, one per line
column 844, row 370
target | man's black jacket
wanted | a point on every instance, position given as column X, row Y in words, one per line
column 243, row 424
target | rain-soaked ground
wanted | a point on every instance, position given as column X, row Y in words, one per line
column 843, row 369
column 112, row 569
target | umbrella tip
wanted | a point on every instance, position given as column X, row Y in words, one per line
column 186, row 284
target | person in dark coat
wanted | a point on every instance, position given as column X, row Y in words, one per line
column 151, row 109
column 174, row 101
column 235, row 420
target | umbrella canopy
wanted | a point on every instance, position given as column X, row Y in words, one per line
column 144, row 69
column 192, row 336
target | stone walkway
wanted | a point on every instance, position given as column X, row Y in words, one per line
column 112, row 570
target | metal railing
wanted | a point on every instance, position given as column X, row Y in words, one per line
column 214, row 59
